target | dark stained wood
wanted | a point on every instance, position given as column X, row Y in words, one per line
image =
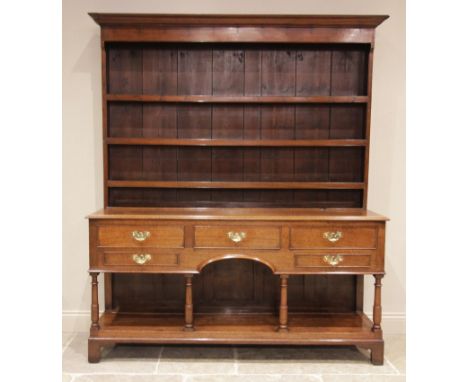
column 159, row 67
column 238, row 142
column 191, row 173
column 250, row 133
column 234, row 99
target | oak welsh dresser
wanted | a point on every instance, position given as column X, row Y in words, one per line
column 236, row 154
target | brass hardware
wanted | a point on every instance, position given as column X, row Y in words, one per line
column 141, row 258
column 333, row 260
column 333, row 236
column 141, row 235
column 237, row 237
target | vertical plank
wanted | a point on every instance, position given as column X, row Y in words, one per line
column 370, row 64
column 310, row 198
column 345, row 198
column 125, row 163
column 252, row 122
column 227, row 164
column 346, row 164
column 159, row 71
column 105, row 123
column 159, row 121
column 311, row 164
column 313, row 72
column 228, row 276
column 194, row 121
column 252, row 169
column 195, row 71
column 194, row 164
column 277, row 165
column 125, row 119
column 278, row 72
column 125, row 70
column 252, row 76
column 227, row 122
column 228, row 72
column 347, row 122
column 312, row 121
column 349, row 72
column 277, row 122
column 125, row 197
column 159, row 163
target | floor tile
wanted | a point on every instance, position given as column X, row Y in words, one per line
column 395, row 351
column 197, row 360
column 66, row 337
column 364, row 378
column 66, row 378
column 307, row 360
column 129, row 378
column 253, row 378
column 120, row 359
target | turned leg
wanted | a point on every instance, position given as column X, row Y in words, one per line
column 283, row 312
column 94, row 303
column 377, row 313
column 188, row 303
column 94, row 349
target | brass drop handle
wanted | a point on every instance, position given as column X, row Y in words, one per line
column 333, row 260
column 141, row 235
column 141, row 258
column 333, row 237
column 237, row 237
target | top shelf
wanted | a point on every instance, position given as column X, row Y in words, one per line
column 237, row 99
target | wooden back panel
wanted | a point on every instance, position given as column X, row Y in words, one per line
column 233, row 286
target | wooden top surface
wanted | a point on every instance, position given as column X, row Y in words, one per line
column 271, row 214
column 324, row 21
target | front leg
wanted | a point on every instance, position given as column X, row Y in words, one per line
column 94, row 349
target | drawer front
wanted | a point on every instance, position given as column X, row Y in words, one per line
column 237, row 237
column 157, row 236
column 332, row 261
column 329, row 236
column 140, row 259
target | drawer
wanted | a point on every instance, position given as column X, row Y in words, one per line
column 331, row 236
column 139, row 258
column 237, row 237
column 332, row 261
column 157, row 236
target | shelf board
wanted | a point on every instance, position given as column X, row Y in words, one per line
column 237, row 185
column 235, row 100
column 238, row 142
column 311, row 328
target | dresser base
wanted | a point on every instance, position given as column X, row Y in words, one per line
column 240, row 329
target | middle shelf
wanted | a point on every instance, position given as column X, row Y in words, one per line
column 236, row 185
column 237, row 142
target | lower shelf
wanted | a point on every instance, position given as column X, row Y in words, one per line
column 304, row 329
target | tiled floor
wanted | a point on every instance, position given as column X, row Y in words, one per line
column 127, row 363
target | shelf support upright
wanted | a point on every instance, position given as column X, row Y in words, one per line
column 283, row 311
column 94, row 348
column 188, row 303
column 377, row 311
